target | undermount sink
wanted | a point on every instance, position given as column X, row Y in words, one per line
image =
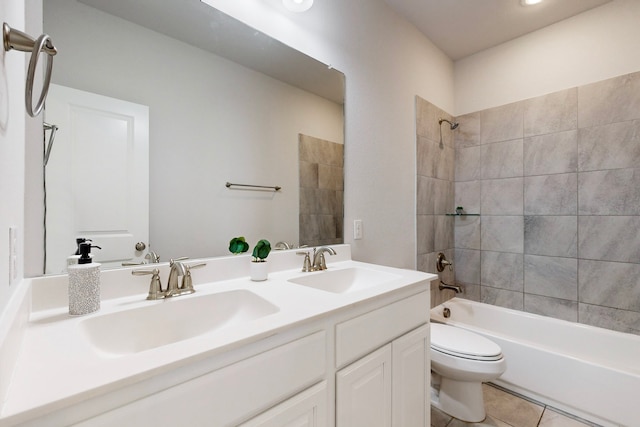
column 345, row 280
column 173, row 320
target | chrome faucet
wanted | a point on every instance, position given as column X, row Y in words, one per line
column 282, row 246
column 152, row 257
column 178, row 268
column 318, row 258
column 457, row 289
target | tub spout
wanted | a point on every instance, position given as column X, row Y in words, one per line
column 455, row 288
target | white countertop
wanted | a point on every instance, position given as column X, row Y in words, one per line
column 58, row 366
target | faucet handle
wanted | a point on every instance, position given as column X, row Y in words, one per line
column 155, row 287
column 441, row 262
column 322, row 263
column 132, row 264
column 187, row 282
column 306, row 266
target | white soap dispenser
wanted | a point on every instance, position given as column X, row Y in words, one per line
column 84, row 283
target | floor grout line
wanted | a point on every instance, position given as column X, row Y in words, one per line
column 544, row 407
column 454, row 422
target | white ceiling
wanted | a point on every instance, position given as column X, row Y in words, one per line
column 463, row 27
column 197, row 24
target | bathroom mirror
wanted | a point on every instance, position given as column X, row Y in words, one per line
column 226, row 104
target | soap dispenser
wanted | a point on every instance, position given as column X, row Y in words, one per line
column 73, row 259
column 84, row 283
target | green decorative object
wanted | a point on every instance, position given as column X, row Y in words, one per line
column 459, row 210
column 238, row 245
column 261, row 250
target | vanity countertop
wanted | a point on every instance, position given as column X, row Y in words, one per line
column 58, row 365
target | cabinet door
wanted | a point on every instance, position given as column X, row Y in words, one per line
column 411, row 379
column 363, row 391
column 306, row 409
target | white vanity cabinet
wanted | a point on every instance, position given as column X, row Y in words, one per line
column 322, row 359
column 411, row 373
column 377, row 373
column 363, row 391
column 225, row 396
column 387, row 387
column 306, row 409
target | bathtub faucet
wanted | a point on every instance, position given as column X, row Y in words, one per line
column 457, row 289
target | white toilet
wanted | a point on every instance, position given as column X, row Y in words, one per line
column 460, row 362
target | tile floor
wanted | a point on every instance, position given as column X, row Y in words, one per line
column 507, row 410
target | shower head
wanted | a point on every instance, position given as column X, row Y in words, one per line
column 453, row 125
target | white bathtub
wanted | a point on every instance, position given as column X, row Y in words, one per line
column 591, row 372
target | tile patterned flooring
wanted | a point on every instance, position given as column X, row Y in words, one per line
column 507, row 410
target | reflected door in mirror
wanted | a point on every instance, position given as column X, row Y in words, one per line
column 97, row 177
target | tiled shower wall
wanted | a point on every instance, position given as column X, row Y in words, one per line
column 556, row 180
column 321, row 166
column 435, row 193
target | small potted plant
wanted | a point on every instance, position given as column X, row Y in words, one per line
column 258, row 267
column 459, row 210
column 259, row 262
column 238, row 245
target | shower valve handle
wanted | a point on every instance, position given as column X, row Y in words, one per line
column 441, row 262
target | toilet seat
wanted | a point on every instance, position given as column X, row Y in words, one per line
column 461, row 343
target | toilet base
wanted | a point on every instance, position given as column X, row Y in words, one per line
column 460, row 399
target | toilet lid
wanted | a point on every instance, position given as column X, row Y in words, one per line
column 462, row 343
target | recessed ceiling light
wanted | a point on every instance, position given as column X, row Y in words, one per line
column 529, row 2
column 297, row 5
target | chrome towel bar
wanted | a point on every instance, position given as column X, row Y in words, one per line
column 270, row 187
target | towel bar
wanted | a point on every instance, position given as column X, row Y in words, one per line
column 271, row 187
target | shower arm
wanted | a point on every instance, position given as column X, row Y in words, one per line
column 452, row 125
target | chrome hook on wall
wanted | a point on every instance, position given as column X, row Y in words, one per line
column 15, row 39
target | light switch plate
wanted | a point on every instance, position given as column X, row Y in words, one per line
column 357, row 229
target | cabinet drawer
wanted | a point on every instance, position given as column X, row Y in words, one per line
column 363, row 334
column 222, row 397
column 307, row 409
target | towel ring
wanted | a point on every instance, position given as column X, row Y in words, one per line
column 31, row 72
column 14, row 39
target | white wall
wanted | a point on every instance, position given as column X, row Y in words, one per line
column 593, row 46
column 12, row 142
column 211, row 121
column 387, row 62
